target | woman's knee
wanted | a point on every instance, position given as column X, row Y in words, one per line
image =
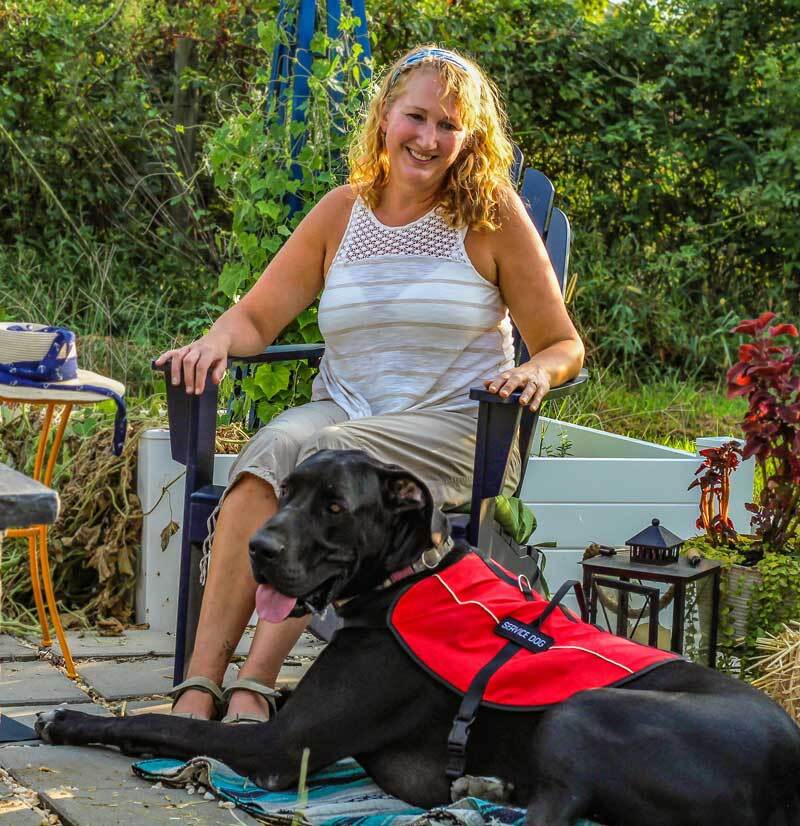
column 331, row 437
column 249, row 496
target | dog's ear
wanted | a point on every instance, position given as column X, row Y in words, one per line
column 410, row 502
column 405, row 492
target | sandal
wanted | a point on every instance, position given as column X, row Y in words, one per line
column 199, row 684
column 245, row 684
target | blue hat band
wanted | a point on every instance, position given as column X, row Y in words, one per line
column 418, row 57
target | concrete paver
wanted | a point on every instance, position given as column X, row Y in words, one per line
column 14, row 811
column 27, row 714
column 10, row 649
column 124, row 679
column 95, row 787
column 132, row 643
column 160, row 706
column 34, row 683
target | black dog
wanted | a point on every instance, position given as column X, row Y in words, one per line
column 678, row 746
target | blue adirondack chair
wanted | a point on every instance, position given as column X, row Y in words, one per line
column 192, row 420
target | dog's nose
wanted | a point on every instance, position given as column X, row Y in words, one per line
column 266, row 545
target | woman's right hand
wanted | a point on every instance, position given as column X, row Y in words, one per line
column 195, row 360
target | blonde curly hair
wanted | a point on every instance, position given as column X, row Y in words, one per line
column 479, row 179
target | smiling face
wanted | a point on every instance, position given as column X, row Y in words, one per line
column 423, row 129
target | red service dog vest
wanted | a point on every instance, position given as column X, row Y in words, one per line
column 457, row 622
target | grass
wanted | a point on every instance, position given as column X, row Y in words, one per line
column 672, row 411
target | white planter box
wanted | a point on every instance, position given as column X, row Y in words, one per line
column 160, row 485
column 606, row 490
column 610, row 487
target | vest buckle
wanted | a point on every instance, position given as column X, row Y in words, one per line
column 457, row 747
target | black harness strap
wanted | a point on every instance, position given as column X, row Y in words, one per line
column 459, row 733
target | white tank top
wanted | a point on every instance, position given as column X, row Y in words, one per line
column 408, row 322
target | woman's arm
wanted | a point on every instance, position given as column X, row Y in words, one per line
column 289, row 284
column 530, row 290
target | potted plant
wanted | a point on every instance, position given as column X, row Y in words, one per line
column 763, row 568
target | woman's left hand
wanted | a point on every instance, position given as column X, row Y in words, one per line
column 532, row 379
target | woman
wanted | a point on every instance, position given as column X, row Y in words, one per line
column 419, row 260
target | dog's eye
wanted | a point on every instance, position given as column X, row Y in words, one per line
column 335, row 507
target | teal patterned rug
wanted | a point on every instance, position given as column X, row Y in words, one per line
column 341, row 795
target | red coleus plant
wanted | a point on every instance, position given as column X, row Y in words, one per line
column 715, row 491
column 768, row 376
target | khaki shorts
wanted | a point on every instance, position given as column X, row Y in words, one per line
column 438, row 447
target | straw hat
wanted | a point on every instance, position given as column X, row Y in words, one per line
column 50, row 353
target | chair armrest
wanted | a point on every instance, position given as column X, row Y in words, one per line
column 192, row 418
column 479, row 394
column 283, row 352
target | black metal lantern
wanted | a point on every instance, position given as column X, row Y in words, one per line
column 655, row 545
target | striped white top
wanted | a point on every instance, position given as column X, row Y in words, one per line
column 408, row 322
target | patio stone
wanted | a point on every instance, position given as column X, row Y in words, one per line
column 291, row 674
column 14, row 811
column 136, row 678
column 36, row 683
column 11, row 649
column 135, row 707
column 308, row 646
column 133, row 643
column 95, row 787
column 27, row 714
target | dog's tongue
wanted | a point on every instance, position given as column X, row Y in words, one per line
column 271, row 605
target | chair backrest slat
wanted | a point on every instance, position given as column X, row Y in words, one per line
column 557, row 244
column 538, row 194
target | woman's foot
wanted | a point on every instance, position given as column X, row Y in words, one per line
column 198, row 698
column 249, row 701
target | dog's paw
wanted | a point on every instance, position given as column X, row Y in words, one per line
column 59, row 726
column 46, row 725
column 492, row 789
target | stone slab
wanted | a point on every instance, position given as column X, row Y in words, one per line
column 132, row 643
column 95, row 787
column 27, row 714
column 24, row 502
column 308, row 646
column 159, row 706
column 135, row 678
column 11, row 649
column 89, row 644
column 36, row 683
column 14, row 811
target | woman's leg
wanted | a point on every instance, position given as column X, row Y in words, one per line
column 223, row 618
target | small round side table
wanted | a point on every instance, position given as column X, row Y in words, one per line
column 36, row 535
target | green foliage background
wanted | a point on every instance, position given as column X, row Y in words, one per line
column 671, row 131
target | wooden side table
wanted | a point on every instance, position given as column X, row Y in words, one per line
column 601, row 570
column 22, row 502
column 36, row 532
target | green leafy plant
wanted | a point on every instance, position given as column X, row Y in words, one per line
column 258, row 172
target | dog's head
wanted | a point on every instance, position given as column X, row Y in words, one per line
column 345, row 522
